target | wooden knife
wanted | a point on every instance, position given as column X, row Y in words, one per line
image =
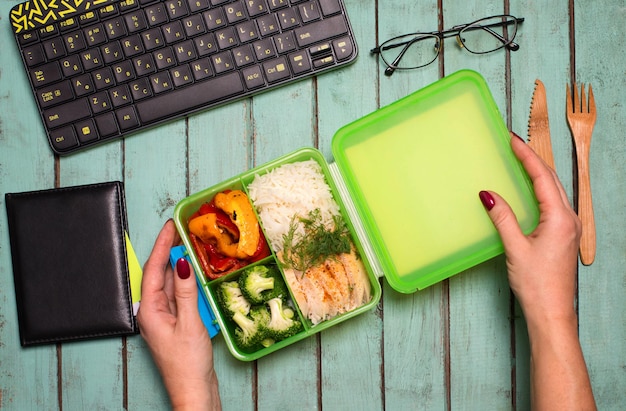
column 539, row 126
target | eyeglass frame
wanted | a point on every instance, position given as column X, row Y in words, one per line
column 443, row 34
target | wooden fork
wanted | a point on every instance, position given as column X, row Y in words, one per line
column 581, row 118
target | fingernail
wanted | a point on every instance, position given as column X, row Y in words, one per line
column 182, row 268
column 487, row 199
column 514, row 134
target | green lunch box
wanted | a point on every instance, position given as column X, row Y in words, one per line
column 406, row 178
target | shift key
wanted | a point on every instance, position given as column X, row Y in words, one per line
column 66, row 113
column 321, row 30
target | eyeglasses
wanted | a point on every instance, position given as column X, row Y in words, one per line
column 411, row 51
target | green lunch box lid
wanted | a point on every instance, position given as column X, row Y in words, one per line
column 413, row 170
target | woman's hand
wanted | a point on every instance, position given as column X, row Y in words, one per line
column 170, row 324
column 542, row 270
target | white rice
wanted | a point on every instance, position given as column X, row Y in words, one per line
column 289, row 190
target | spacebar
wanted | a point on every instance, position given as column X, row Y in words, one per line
column 189, row 98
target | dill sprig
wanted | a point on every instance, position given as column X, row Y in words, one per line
column 305, row 250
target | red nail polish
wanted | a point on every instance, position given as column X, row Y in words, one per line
column 487, row 199
column 182, row 268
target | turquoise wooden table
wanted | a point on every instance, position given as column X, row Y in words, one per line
column 461, row 344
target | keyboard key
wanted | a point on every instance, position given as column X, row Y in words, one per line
column 161, row 82
column 27, row 38
column 34, row 55
column 343, row 48
column 253, row 76
column 95, row 35
column 54, row 48
column 176, row 8
column 127, row 118
column 276, row 70
column 66, row 113
column 156, row 14
column 135, row 21
column 120, row 96
column 132, row 45
column 198, row 5
column 256, row 7
column 264, row 49
column 267, row 25
column 330, row 7
column 287, row 19
column 323, row 61
column 100, row 102
column 235, row 12
column 103, row 78
column 223, row 62
column 309, row 12
column 64, row 138
column 202, row 69
column 152, row 39
column 107, row 125
column 243, row 55
column 115, row 28
column 214, row 19
column 75, row 41
column 86, row 131
column 70, row 65
column 173, row 32
column 285, row 42
column 299, row 62
column 140, row 88
column 92, row 59
column 112, row 52
column 55, row 94
column 181, row 76
column 189, row 98
column 46, row 74
column 83, row 85
column 321, row 30
column 193, row 25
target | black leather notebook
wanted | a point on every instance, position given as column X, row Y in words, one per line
column 70, row 263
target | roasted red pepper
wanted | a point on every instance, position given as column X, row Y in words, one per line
column 262, row 249
column 215, row 235
column 220, row 263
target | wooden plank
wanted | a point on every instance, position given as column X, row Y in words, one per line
column 602, row 285
column 219, row 148
column 85, row 364
column 350, row 353
column 283, row 122
column 480, row 355
column 415, row 326
column 154, row 179
column 28, row 377
column 544, row 54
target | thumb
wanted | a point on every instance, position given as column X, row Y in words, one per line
column 503, row 218
column 185, row 291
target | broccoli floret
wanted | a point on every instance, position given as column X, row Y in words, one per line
column 260, row 315
column 232, row 299
column 248, row 333
column 281, row 324
column 261, row 283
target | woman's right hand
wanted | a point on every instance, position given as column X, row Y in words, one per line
column 542, row 269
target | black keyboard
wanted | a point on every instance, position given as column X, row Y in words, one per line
column 101, row 69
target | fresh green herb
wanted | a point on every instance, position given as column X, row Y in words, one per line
column 302, row 251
